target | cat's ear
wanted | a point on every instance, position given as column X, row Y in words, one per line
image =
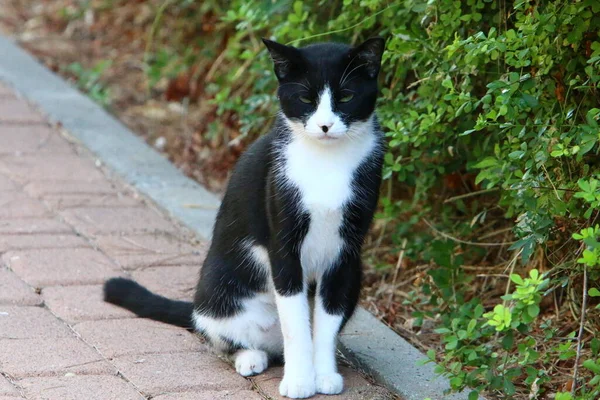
column 369, row 53
column 285, row 58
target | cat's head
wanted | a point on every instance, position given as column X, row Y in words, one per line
column 327, row 91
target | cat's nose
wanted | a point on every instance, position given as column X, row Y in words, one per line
column 325, row 127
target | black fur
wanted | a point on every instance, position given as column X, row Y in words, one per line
column 136, row 298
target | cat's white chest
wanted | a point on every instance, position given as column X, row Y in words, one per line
column 324, row 177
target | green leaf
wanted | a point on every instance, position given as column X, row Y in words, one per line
column 516, row 278
column 298, row 8
column 593, row 292
column 486, row 162
column 533, row 310
column 592, row 366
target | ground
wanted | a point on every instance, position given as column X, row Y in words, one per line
column 66, row 225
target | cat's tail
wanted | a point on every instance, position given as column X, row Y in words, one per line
column 136, row 298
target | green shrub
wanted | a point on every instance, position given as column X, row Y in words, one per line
column 491, row 110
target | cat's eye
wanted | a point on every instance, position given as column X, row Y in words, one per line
column 346, row 98
column 305, row 100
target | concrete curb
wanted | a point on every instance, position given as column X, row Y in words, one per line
column 367, row 341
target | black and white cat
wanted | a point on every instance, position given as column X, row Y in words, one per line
column 292, row 222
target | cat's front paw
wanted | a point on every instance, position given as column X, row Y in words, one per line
column 297, row 386
column 332, row 383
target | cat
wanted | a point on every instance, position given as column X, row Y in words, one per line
column 292, row 222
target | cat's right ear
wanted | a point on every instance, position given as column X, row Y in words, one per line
column 285, row 58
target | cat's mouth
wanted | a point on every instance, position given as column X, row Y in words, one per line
column 326, row 138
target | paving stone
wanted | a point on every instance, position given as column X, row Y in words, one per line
column 62, row 202
column 30, row 225
column 157, row 374
column 6, row 184
column 115, row 337
column 30, row 322
column 136, row 251
column 93, row 221
column 75, row 304
column 7, row 388
column 18, row 242
column 172, row 282
column 54, row 187
column 19, row 205
column 71, row 194
column 78, row 387
column 355, row 386
column 14, row 291
column 14, row 110
column 32, row 139
column 50, row 357
column 212, row 395
column 50, row 167
column 53, row 267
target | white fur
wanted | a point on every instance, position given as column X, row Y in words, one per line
column 324, row 116
column 299, row 374
column 250, row 362
column 256, row 327
column 324, row 174
column 326, row 327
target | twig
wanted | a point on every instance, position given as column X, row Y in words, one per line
column 215, row 66
column 463, row 196
column 581, row 329
column 344, row 29
column 398, row 265
column 494, row 233
column 150, row 40
column 552, row 183
column 447, row 236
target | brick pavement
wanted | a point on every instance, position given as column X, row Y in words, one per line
column 65, row 226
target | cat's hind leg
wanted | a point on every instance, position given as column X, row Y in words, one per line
column 250, row 362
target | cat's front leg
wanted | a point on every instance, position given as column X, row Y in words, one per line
column 337, row 295
column 294, row 315
column 299, row 374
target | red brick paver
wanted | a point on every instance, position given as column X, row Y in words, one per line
column 212, row 395
column 51, row 357
column 14, row 291
column 76, row 387
column 80, row 303
column 114, row 338
column 179, row 372
column 6, row 388
column 50, row 267
column 30, row 322
column 18, row 139
column 13, row 110
column 65, row 227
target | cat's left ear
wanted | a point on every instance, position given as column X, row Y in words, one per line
column 369, row 53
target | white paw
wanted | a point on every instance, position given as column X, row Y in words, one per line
column 250, row 362
column 297, row 386
column 332, row 383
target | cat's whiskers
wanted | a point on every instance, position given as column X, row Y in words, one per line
column 346, row 69
column 350, row 73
